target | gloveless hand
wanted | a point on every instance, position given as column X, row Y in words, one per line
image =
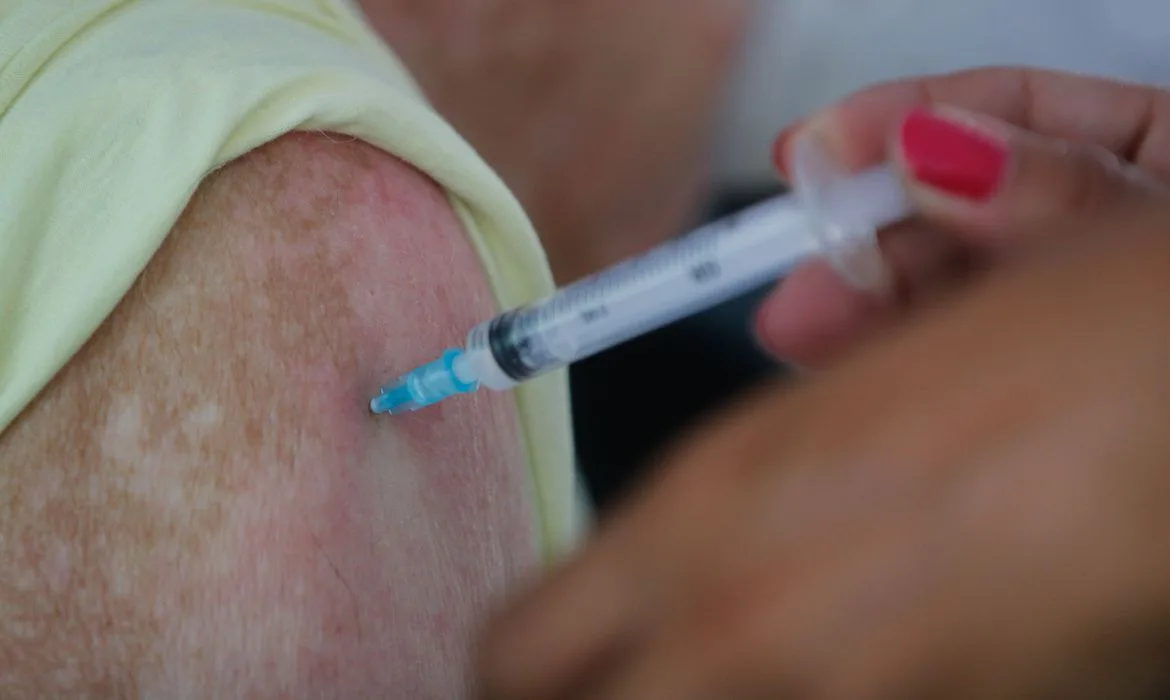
column 970, row 503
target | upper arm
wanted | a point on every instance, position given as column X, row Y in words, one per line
column 201, row 500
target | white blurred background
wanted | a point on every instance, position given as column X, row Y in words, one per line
column 804, row 54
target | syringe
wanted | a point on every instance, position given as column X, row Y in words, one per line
column 830, row 213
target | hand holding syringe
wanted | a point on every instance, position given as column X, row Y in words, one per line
column 829, row 214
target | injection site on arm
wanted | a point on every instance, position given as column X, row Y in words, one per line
column 830, row 214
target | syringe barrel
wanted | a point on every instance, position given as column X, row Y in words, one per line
column 832, row 214
column 710, row 265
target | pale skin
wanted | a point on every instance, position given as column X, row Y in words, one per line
column 200, row 504
column 968, row 498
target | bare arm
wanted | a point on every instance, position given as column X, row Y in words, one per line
column 200, row 504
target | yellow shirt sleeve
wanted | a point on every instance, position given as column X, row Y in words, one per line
column 113, row 111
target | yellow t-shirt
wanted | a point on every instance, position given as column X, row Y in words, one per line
column 113, row 111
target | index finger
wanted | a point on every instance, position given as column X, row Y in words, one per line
column 1131, row 120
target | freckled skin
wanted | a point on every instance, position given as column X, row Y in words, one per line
column 200, row 504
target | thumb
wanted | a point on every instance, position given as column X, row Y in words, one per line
column 989, row 180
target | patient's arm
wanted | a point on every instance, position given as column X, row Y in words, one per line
column 201, row 506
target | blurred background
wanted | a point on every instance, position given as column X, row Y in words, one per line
column 620, row 123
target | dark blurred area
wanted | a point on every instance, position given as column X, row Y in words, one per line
column 620, row 431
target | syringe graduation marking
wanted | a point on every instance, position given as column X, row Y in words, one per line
column 592, row 293
column 521, row 342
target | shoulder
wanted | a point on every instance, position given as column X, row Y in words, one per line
column 190, row 468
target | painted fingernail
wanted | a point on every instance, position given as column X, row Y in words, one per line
column 953, row 157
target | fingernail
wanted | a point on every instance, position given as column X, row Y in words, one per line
column 780, row 147
column 953, row 157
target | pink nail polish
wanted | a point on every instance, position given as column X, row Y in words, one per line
column 953, row 157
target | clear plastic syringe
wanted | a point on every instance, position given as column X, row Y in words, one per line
column 829, row 213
